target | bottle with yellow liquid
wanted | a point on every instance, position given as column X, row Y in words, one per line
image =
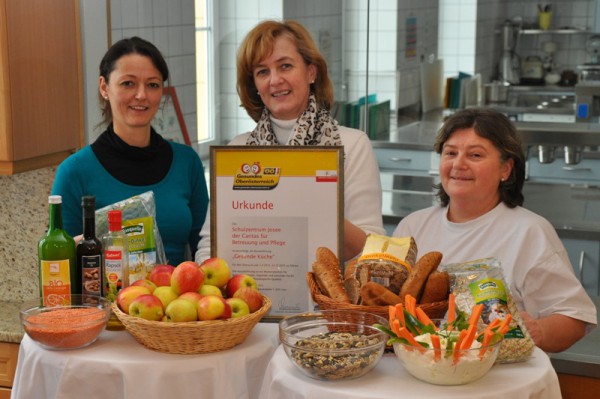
column 115, row 263
column 57, row 261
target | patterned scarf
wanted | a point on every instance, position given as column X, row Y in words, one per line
column 314, row 127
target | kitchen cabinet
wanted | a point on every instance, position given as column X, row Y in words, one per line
column 41, row 90
column 585, row 258
column 585, row 172
column 9, row 353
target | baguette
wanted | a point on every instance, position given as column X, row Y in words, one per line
column 374, row 294
column 329, row 276
column 417, row 278
column 436, row 288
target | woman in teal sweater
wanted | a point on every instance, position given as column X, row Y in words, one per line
column 130, row 157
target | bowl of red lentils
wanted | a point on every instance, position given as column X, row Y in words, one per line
column 65, row 322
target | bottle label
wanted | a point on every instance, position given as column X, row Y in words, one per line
column 56, row 282
column 141, row 245
column 91, row 272
column 113, row 273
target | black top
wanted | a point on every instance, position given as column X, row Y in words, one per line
column 134, row 165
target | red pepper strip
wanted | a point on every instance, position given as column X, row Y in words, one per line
column 423, row 318
column 400, row 314
column 458, row 345
column 437, row 347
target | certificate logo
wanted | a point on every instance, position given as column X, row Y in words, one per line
column 253, row 176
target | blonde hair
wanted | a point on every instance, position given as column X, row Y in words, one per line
column 259, row 44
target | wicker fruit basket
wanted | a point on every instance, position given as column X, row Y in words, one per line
column 434, row 310
column 192, row 337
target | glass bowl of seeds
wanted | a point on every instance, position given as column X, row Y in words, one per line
column 60, row 322
column 333, row 344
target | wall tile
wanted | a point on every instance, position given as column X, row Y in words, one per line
column 159, row 12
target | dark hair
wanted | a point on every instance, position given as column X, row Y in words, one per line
column 498, row 129
column 133, row 45
column 259, row 43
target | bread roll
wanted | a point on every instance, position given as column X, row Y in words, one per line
column 415, row 282
column 436, row 288
column 374, row 294
column 352, row 287
column 329, row 276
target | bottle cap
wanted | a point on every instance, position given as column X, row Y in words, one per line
column 114, row 220
column 55, row 199
column 88, row 200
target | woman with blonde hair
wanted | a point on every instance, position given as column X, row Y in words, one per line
column 283, row 84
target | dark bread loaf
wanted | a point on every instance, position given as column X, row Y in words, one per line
column 436, row 288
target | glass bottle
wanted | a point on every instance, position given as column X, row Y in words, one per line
column 57, row 260
column 115, row 263
column 89, row 251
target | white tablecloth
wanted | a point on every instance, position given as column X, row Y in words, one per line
column 116, row 366
column 534, row 378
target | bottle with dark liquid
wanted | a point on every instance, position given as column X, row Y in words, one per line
column 57, row 260
column 89, row 251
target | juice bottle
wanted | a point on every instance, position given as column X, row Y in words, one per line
column 57, row 264
column 116, row 265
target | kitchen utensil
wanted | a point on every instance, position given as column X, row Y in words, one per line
column 532, row 71
column 508, row 67
column 568, row 78
column 572, row 154
column 496, row 92
column 546, row 153
column 432, row 83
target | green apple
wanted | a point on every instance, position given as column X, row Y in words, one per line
column 147, row 307
column 128, row 294
column 187, row 277
column 251, row 296
column 207, row 289
column 165, row 294
column 180, row 310
column 239, row 307
column 212, row 307
column 216, row 272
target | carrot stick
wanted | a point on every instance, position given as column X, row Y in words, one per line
column 505, row 324
column 487, row 338
column 451, row 310
column 404, row 333
column 396, row 327
column 411, row 304
column 392, row 313
column 490, row 327
column 400, row 314
column 470, row 336
column 457, row 346
column 423, row 318
column 437, row 347
column 476, row 314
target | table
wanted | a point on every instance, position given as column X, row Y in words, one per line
column 534, row 378
column 116, row 366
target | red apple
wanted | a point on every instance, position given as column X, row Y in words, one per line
column 239, row 307
column 165, row 294
column 147, row 307
column 128, row 294
column 213, row 307
column 251, row 296
column 181, row 310
column 206, row 290
column 161, row 275
column 238, row 281
column 144, row 282
column 193, row 297
column 187, row 277
column 216, row 272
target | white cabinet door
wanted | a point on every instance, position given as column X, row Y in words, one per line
column 585, row 257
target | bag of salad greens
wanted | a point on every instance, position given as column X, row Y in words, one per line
column 139, row 223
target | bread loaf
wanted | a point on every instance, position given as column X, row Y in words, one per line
column 374, row 294
column 329, row 276
column 415, row 282
column 436, row 288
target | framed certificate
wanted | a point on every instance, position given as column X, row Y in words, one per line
column 169, row 121
column 271, row 208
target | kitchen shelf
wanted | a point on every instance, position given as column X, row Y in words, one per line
column 554, row 31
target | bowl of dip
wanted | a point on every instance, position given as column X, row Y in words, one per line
column 447, row 365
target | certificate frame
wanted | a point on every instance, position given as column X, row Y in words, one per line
column 271, row 207
column 169, row 118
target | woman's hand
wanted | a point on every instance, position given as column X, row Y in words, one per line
column 554, row 333
column 78, row 238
